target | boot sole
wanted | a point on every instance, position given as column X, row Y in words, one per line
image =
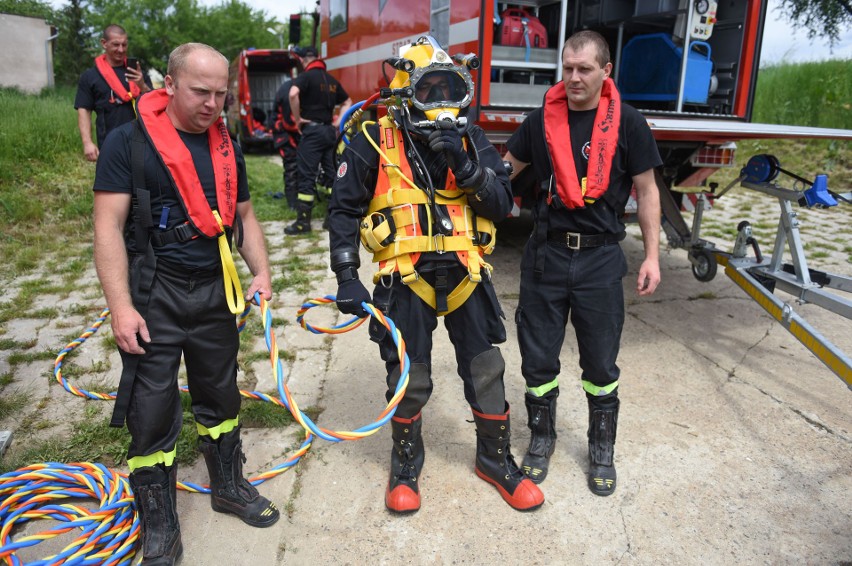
column 247, row 521
column 505, row 495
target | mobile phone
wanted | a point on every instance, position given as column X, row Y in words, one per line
column 132, row 63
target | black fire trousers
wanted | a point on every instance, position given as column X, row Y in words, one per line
column 187, row 317
column 316, row 148
column 585, row 285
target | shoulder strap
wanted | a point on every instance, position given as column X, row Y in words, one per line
column 141, row 196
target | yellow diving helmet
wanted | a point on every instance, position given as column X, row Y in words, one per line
column 440, row 84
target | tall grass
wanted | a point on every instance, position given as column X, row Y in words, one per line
column 45, row 184
column 805, row 94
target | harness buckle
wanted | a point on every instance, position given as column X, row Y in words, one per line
column 572, row 237
column 439, row 243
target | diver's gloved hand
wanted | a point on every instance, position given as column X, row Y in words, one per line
column 447, row 139
column 350, row 295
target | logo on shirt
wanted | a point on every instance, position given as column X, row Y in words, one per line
column 341, row 171
column 587, row 150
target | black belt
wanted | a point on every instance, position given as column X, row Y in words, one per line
column 575, row 241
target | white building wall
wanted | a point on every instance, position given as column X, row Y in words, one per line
column 26, row 54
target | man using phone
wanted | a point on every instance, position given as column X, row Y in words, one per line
column 110, row 89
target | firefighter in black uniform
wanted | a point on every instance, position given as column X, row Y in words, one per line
column 109, row 89
column 313, row 97
column 588, row 150
column 285, row 140
column 423, row 189
column 179, row 185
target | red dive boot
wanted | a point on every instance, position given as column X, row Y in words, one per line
column 407, row 456
column 495, row 464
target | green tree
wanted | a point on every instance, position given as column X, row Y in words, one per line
column 30, row 8
column 75, row 45
column 822, row 18
column 155, row 27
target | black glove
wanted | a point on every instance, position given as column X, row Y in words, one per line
column 449, row 141
column 350, row 295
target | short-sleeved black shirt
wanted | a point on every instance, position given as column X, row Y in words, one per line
column 93, row 93
column 113, row 174
column 636, row 153
column 319, row 93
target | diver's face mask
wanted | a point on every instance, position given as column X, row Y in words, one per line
column 442, row 89
column 439, row 89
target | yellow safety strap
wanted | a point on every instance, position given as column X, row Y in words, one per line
column 158, row 457
column 233, row 290
column 543, row 390
column 593, row 389
column 222, row 428
column 375, row 228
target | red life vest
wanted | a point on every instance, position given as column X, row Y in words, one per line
column 570, row 191
column 178, row 162
column 108, row 73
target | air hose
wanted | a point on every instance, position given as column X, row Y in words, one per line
column 109, row 533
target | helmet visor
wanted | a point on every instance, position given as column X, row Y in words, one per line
column 440, row 88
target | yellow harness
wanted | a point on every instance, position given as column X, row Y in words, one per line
column 392, row 231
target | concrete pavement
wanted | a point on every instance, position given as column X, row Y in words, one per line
column 733, row 446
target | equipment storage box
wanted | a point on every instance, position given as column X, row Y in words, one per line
column 650, row 70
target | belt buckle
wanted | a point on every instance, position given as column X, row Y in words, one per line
column 576, row 236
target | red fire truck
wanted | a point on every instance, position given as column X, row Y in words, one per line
column 690, row 66
column 253, row 79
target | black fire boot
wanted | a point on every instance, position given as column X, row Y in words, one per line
column 230, row 492
column 302, row 225
column 603, row 421
column 407, row 456
column 154, row 493
column 496, row 465
column 541, row 420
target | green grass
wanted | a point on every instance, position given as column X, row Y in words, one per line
column 806, row 94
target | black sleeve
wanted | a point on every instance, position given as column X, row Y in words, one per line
column 496, row 196
column 342, row 95
column 520, row 144
column 242, row 177
column 300, row 81
column 642, row 150
column 350, row 197
column 113, row 172
column 85, row 96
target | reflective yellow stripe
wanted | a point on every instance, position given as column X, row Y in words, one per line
column 543, row 390
column 222, row 428
column 159, row 457
column 305, row 198
column 233, row 290
column 593, row 389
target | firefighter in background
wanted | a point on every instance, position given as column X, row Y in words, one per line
column 285, row 140
column 313, row 97
column 109, row 89
column 588, row 150
column 422, row 189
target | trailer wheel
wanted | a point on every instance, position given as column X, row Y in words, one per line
column 703, row 265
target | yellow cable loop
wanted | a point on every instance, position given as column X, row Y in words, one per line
column 233, row 289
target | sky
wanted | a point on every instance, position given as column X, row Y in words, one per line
column 781, row 43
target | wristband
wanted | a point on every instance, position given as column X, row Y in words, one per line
column 346, row 274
